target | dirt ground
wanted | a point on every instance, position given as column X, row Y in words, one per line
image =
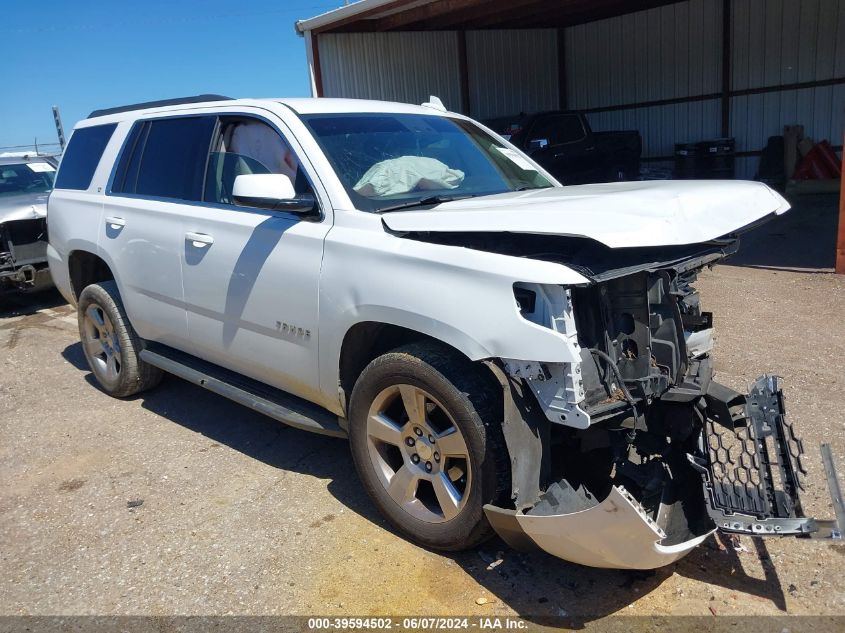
column 180, row 502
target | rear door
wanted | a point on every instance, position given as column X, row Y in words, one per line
column 76, row 203
column 159, row 173
column 251, row 276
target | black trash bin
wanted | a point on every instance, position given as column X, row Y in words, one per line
column 706, row 160
column 686, row 161
column 717, row 159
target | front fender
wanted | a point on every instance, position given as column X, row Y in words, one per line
column 435, row 328
column 460, row 296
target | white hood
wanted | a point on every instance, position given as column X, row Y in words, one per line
column 624, row 214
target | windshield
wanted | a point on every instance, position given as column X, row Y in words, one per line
column 390, row 160
column 33, row 177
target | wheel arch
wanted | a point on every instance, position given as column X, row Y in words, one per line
column 365, row 341
column 86, row 268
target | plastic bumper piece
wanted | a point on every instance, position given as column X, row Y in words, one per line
column 614, row 534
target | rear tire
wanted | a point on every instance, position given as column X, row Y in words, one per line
column 425, row 430
column 110, row 344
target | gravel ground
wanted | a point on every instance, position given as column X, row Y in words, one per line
column 178, row 502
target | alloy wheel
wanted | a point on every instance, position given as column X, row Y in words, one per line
column 418, row 453
column 101, row 343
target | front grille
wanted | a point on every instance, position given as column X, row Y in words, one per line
column 755, row 469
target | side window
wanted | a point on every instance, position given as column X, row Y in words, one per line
column 126, row 174
column 165, row 158
column 249, row 146
column 556, row 130
column 174, row 158
column 82, row 156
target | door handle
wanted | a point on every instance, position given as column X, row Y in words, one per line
column 115, row 222
column 199, row 240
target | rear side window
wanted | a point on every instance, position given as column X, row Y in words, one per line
column 126, row 174
column 82, row 156
column 166, row 158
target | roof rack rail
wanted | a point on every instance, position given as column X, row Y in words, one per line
column 158, row 104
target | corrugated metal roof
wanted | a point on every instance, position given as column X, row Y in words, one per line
column 433, row 15
column 356, row 9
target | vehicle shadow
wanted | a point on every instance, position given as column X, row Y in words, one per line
column 803, row 239
column 539, row 587
column 249, row 432
column 263, row 240
column 549, row 591
column 14, row 304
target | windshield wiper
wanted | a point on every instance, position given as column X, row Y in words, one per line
column 423, row 202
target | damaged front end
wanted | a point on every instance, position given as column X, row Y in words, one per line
column 634, row 455
column 25, row 185
column 23, row 255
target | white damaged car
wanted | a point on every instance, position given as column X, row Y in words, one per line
column 505, row 354
column 25, row 182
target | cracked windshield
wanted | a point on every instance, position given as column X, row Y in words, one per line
column 395, row 161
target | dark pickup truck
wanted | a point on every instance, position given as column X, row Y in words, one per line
column 564, row 144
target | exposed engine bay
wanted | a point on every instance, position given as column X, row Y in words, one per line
column 632, row 456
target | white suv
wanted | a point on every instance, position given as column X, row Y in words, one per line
column 503, row 353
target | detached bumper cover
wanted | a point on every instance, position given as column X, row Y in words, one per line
column 751, row 469
column 617, row 534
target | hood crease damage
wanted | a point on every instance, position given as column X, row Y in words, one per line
column 616, row 215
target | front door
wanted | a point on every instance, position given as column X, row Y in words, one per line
column 251, row 276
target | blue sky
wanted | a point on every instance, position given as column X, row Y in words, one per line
column 82, row 55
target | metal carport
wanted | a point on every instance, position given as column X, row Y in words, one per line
column 675, row 70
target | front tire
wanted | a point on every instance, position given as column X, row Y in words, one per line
column 426, row 438
column 110, row 344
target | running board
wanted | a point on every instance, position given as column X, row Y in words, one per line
column 272, row 402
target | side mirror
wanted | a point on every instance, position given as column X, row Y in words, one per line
column 538, row 143
column 271, row 191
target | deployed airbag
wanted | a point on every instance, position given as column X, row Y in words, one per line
column 405, row 174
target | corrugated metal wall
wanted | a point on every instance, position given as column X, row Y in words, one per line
column 779, row 42
column 407, row 67
column 755, row 118
column 663, row 126
column 499, row 60
column 663, row 53
column 675, row 51
column 509, row 71
column 787, row 41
